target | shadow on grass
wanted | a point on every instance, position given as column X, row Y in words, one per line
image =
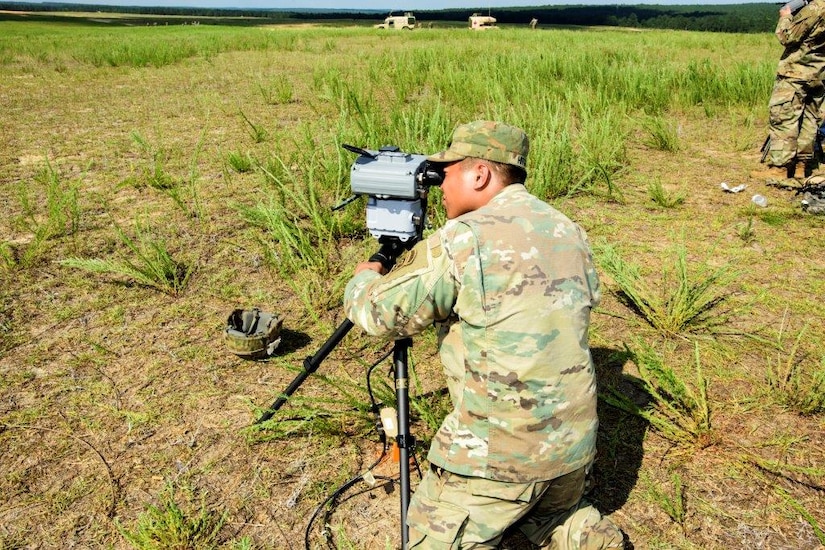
column 621, row 436
column 291, row 341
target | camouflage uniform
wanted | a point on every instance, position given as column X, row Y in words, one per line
column 798, row 93
column 510, row 286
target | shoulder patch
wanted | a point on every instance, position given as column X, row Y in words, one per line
column 407, row 259
column 416, row 259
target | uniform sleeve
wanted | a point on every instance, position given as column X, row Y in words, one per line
column 783, row 30
column 419, row 291
column 795, row 29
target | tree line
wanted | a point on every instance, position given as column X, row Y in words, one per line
column 744, row 18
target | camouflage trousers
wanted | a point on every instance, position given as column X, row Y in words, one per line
column 795, row 115
column 449, row 511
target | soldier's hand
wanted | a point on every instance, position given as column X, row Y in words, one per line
column 785, row 11
column 378, row 267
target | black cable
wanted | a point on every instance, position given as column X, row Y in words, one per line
column 328, row 504
column 331, row 500
column 374, row 406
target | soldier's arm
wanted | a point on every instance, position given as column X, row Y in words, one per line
column 417, row 292
column 794, row 29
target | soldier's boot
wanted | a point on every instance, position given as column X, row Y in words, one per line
column 807, row 167
column 586, row 529
column 775, row 172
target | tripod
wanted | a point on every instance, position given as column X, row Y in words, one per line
column 387, row 254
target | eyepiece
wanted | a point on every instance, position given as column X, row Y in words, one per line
column 432, row 175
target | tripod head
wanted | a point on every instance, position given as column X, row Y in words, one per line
column 391, row 248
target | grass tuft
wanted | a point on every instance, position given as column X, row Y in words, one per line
column 660, row 135
column 673, row 504
column 240, row 162
column 257, row 132
column 155, row 174
column 169, row 525
column 662, row 197
column 791, row 383
column 301, row 229
column 280, row 92
column 58, row 217
column 746, row 231
column 152, row 266
column 678, row 412
column 682, row 304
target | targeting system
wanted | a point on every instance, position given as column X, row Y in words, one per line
column 396, row 185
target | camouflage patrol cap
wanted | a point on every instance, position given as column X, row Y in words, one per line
column 487, row 140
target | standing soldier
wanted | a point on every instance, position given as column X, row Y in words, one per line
column 798, row 92
column 533, row 23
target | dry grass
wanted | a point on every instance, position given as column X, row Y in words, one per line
column 114, row 396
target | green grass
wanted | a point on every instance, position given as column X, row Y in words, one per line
column 664, row 198
column 679, row 411
column 746, row 231
column 256, row 131
column 169, row 525
column 240, row 162
column 671, row 501
column 203, row 163
column 154, row 173
column 661, row 134
column 687, row 299
column 277, row 92
column 152, row 264
column 796, row 381
column 50, row 210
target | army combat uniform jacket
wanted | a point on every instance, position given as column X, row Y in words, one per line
column 803, row 35
column 511, row 286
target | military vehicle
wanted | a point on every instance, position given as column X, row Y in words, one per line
column 480, row 22
column 406, row 21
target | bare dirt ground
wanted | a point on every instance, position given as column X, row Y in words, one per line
column 113, row 396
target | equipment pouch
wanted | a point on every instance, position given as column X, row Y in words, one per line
column 252, row 334
column 437, row 520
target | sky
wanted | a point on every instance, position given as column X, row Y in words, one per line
column 397, row 5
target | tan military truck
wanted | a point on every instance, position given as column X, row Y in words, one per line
column 406, row 21
column 480, row 22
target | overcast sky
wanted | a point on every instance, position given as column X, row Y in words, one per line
column 397, row 5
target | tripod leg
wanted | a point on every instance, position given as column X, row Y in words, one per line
column 406, row 442
column 311, row 364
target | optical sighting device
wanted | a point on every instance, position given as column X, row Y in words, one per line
column 395, row 184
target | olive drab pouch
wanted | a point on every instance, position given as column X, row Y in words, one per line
column 252, row 333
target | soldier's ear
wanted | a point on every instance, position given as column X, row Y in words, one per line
column 482, row 175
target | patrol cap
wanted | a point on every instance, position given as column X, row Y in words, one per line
column 487, row 140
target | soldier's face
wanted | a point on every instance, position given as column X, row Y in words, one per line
column 457, row 189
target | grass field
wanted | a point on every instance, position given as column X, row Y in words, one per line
column 154, row 178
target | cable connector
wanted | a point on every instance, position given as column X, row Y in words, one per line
column 389, row 421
